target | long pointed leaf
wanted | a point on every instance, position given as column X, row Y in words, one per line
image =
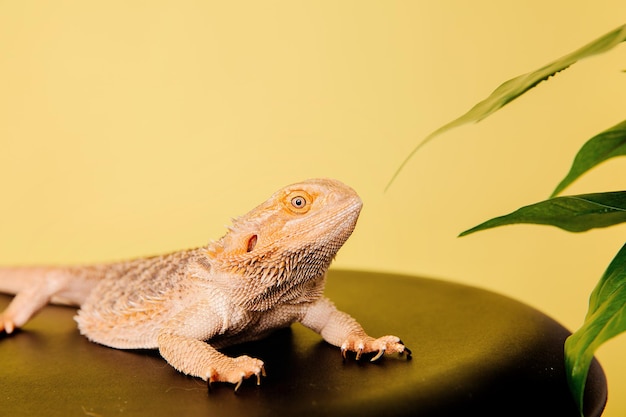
column 572, row 213
column 515, row 87
column 606, row 145
column 605, row 319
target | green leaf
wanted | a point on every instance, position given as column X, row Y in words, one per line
column 606, row 145
column 576, row 213
column 605, row 319
column 515, row 87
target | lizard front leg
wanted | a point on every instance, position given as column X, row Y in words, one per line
column 181, row 343
column 340, row 329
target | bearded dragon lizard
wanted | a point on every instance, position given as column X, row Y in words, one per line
column 266, row 273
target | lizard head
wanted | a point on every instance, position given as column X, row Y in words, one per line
column 287, row 241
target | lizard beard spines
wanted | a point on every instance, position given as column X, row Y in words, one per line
column 260, row 281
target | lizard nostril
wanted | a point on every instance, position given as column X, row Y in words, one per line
column 251, row 243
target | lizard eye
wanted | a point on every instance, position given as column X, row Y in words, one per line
column 298, row 202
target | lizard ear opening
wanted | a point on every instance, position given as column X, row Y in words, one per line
column 251, row 243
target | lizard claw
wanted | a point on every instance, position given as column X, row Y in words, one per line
column 378, row 355
column 235, row 371
column 210, row 380
column 409, row 354
column 6, row 324
column 238, row 384
column 359, row 352
column 259, row 374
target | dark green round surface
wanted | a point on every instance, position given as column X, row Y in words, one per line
column 474, row 353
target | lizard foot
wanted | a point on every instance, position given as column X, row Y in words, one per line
column 236, row 370
column 366, row 344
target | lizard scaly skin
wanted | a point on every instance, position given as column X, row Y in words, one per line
column 267, row 272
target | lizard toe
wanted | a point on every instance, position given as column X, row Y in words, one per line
column 6, row 324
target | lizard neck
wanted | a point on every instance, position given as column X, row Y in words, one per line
column 262, row 282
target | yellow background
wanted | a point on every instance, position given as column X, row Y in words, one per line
column 130, row 128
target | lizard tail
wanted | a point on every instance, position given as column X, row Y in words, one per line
column 34, row 287
column 57, row 284
column 16, row 279
column 32, row 293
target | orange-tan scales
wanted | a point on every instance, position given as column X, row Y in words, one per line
column 267, row 272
